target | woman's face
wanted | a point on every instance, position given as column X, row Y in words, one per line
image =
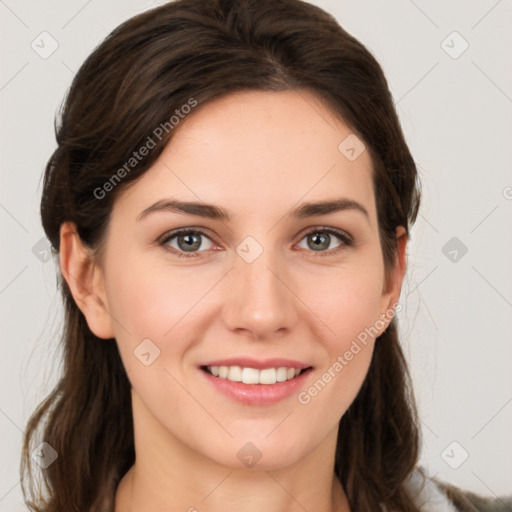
column 270, row 285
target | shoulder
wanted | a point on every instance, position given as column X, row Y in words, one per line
column 432, row 495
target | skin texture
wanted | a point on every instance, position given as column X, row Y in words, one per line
column 257, row 155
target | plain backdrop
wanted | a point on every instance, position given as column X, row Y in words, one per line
column 449, row 69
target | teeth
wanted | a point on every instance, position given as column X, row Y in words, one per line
column 268, row 376
column 281, row 374
column 252, row 375
column 235, row 374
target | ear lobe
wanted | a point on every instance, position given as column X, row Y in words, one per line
column 85, row 281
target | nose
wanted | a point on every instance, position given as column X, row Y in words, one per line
column 260, row 299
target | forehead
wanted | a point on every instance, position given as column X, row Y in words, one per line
column 258, row 152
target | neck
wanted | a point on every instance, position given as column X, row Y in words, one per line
column 168, row 475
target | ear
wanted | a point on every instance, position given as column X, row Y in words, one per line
column 85, row 281
column 393, row 284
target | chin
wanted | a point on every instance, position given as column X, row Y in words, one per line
column 257, row 452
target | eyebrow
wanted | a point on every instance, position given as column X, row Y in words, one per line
column 309, row 209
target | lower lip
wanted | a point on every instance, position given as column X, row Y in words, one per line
column 257, row 394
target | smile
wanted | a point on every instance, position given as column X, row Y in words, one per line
column 247, row 375
column 251, row 381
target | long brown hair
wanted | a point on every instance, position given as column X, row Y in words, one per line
column 135, row 81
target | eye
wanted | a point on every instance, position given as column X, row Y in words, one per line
column 319, row 239
column 188, row 242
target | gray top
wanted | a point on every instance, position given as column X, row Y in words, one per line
column 431, row 495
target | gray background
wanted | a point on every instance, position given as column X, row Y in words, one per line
column 456, row 113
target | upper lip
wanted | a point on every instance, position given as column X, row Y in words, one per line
column 258, row 364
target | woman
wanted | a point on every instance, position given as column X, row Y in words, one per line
column 230, row 201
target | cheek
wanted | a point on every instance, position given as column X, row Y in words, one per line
column 169, row 305
column 347, row 301
column 348, row 304
column 151, row 302
column 348, row 343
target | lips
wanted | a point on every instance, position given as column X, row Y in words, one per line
column 256, row 382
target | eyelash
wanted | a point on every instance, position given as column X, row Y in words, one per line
column 341, row 235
